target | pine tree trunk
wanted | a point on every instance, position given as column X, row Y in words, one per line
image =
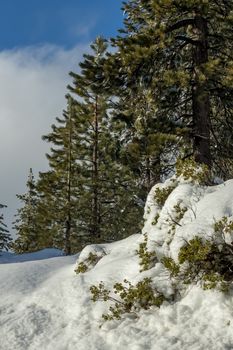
column 148, row 174
column 69, row 171
column 95, row 174
column 153, row 171
column 67, row 236
column 200, row 96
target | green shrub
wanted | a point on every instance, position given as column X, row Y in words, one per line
column 223, row 226
column 208, row 262
column 171, row 265
column 214, row 280
column 146, row 259
column 179, row 211
column 90, row 262
column 174, row 220
column 192, row 171
column 127, row 298
column 155, row 220
column 161, row 195
column 203, row 261
column 195, row 251
column 81, row 268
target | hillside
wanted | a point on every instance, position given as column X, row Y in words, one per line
column 44, row 304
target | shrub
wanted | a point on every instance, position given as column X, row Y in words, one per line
column 223, row 226
column 155, row 220
column 88, row 263
column 171, row 265
column 147, row 258
column 131, row 298
column 204, row 261
column 161, row 195
column 192, row 171
column 209, row 262
column 174, row 220
column 81, row 268
column 179, row 211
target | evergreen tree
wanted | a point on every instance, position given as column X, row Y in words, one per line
column 148, row 147
column 58, row 188
column 180, row 53
column 106, row 180
column 26, row 224
column 5, row 239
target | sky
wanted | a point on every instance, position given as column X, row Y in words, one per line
column 41, row 41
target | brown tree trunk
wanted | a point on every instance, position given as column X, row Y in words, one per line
column 95, row 175
column 153, row 171
column 67, row 236
column 200, row 95
column 67, row 244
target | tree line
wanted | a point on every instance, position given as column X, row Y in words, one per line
column 158, row 91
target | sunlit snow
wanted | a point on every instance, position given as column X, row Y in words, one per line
column 44, row 305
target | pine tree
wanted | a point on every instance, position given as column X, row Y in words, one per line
column 5, row 239
column 26, row 224
column 148, row 147
column 106, row 180
column 58, row 187
column 180, row 53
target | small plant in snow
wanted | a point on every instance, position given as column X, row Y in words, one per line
column 155, row 220
column 214, row 280
column 161, row 195
column 223, row 226
column 192, row 171
column 148, row 211
column 179, row 211
column 174, row 220
column 81, row 268
column 127, row 297
column 90, row 262
column 147, row 258
column 171, row 266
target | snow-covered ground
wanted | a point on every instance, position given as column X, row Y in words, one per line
column 44, row 305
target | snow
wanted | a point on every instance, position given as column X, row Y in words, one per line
column 8, row 258
column 205, row 206
column 45, row 305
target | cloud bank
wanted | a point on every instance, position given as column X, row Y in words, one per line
column 32, row 89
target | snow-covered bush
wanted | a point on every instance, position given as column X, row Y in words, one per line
column 91, row 261
column 161, row 194
column 171, row 266
column 88, row 258
column 209, row 262
column 127, row 298
column 191, row 171
column 187, row 240
column 147, row 258
column 224, row 229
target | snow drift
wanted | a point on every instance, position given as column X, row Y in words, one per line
column 45, row 305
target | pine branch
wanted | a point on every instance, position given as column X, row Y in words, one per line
column 188, row 40
column 180, row 24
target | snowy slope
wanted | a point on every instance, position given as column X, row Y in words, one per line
column 45, row 305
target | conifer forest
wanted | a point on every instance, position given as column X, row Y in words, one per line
column 138, row 105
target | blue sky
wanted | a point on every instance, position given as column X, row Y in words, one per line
column 41, row 41
column 61, row 22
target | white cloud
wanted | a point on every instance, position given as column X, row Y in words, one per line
column 32, row 88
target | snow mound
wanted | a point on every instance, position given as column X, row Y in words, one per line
column 203, row 205
column 45, row 305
